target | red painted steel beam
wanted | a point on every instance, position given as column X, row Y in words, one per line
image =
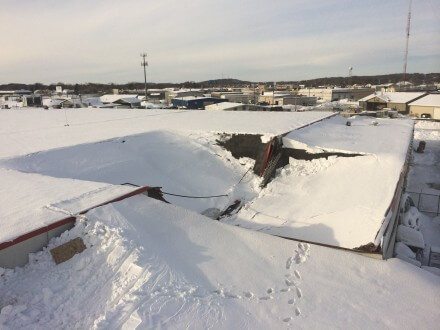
column 70, row 219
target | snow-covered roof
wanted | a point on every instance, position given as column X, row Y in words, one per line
column 189, row 98
column 112, row 98
column 430, row 100
column 26, row 132
column 223, row 106
column 394, row 97
column 25, row 198
column 152, row 263
column 340, row 201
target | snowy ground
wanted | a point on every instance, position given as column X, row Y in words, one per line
column 150, row 265
column 154, row 265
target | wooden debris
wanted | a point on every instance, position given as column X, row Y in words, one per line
column 67, row 250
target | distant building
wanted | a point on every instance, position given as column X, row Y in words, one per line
column 405, row 86
column 174, row 94
column 270, row 97
column 428, row 106
column 234, row 106
column 237, row 97
column 192, row 102
column 32, row 100
column 58, row 103
column 124, row 100
column 394, row 100
column 155, row 95
column 299, row 100
column 336, row 94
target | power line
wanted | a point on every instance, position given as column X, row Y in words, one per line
column 192, row 196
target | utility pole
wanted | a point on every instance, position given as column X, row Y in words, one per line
column 144, row 63
column 408, row 25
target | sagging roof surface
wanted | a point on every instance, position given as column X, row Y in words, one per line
column 33, row 130
column 338, row 201
column 25, row 196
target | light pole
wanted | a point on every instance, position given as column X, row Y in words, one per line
column 144, row 63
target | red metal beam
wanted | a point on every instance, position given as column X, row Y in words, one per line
column 69, row 219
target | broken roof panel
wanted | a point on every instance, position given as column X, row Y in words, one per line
column 337, row 201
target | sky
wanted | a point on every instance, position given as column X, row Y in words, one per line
column 82, row 41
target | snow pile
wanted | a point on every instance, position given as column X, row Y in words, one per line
column 410, row 237
column 403, row 250
column 149, row 264
column 25, row 197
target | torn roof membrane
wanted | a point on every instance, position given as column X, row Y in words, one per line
column 335, row 201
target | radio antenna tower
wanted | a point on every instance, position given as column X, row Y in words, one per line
column 144, row 63
column 408, row 26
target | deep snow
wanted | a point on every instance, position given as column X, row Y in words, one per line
column 336, row 201
column 150, row 264
column 178, row 164
column 31, row 130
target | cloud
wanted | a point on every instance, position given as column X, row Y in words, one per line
column 80, row 41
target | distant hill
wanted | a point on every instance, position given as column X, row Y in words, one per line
column 92, row 88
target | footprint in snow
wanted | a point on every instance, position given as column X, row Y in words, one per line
column 285, row 290
column 289, row 262
column 270, row 291
column 266, row 298
column 289, row 282
column 304, row 247
column 297, row 274
column 291, row 301
column 232, row 295
column 287, row 319
column 297, row 311
column 298, row 292
column 249, row 295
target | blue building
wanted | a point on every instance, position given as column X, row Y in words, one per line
column 194, row 102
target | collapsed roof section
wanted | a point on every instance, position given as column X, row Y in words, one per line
column 332, row 200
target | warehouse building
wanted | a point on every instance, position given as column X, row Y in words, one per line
column 427, row 106
column 32, row 100
column 193, row 102
column 394, row 100
column 234, row 106
column 123, row 100
column 336, row 94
